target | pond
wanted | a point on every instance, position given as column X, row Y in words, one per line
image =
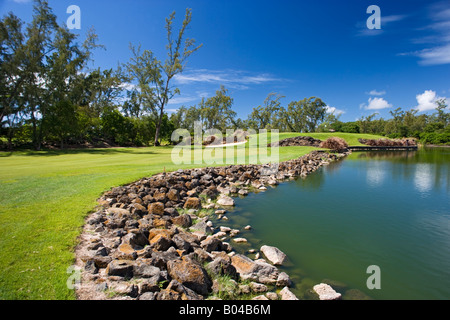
column 389, row 209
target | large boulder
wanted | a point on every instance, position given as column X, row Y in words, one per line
column 273, row 254
column 192, row 203
column 225, row 200
column 121, row 268
column 259, row 270
column 156, row 208
column 287, row 294
column 190, row 275
column 326, row 292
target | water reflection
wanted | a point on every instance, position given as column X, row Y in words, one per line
column 376, row 174
column 423, row 178
column 428, row 168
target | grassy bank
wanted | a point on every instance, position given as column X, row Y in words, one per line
column 45, row 197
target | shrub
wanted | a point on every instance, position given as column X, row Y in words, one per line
column 334, row 144
column 435, row 138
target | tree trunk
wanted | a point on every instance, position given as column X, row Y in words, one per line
column 158, row 127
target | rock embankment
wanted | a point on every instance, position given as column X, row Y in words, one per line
column 297, row 141
column 149, row 240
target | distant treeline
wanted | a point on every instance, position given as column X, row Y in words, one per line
column 49, row 96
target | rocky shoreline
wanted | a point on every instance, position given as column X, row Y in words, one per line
column 153, row 239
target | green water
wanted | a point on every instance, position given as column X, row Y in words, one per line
column 373, row 208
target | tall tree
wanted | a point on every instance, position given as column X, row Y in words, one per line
column 216, row 112
column 305, row 115
column 266, row 116
column 155, row 77
column 11, row 74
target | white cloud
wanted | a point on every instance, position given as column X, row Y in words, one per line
column 434, row 56
column 363, row 31
column 231, row 78
column 376, row 93
column 427, row 101
column 376, row 104
column 182, row 99
column 334, row 110
column 437, row 37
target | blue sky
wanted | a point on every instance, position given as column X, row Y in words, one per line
column 296, row 48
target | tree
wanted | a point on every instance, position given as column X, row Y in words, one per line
column 158, row 89
column 216, row 112
column 305, row 115
column 11, row 74
column 266, row 116
column 442, row 115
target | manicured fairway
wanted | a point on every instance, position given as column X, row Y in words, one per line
column 44, row 197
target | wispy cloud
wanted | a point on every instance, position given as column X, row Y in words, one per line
column 190, row 98
column 376, row 93
column 236, row 79
column 363, row 31
column 436, row 35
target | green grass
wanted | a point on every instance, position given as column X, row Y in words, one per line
column 45, row 197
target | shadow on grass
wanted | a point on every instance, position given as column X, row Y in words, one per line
column 95, row 151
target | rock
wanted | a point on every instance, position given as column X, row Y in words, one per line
column 283, row 280
column 234, row 232
column 161, row 242
column 192, row 203
column 156, row 208
column 243, row 192
column 240, row 240
column 221, row 265
column 185, row 293
column 326, row 292
column 125, row 252
column 260, row 297
column 225, row 229
column 244, row 289
column 124, row 289
column 220, row 211
column 181, row 243
column 202, row 226
column 211, row 244
column 190, row 274
column 147, row 296
column 286, row 294
column 136, row 239
column 184, row 221
column 258, row 287
column 118, row 212
column 121, row 268
column 144, row 269
column 259, row 271
column 168, row 295
column 139, row 209
column 271, row 296
column 247, row 227
column 173, row 195
column 273, row 254
column 225, row 200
